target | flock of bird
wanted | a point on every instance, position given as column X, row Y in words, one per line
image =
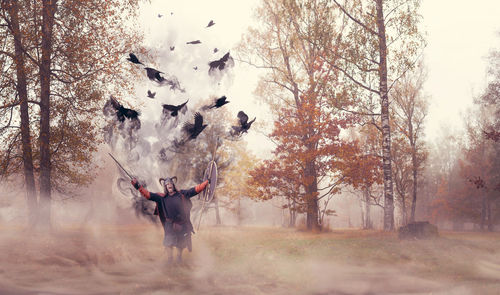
column 191, row 129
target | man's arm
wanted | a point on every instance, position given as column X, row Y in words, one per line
column 195, row 190
column 144, row 192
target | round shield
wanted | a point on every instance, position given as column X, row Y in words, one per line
column 210, row 173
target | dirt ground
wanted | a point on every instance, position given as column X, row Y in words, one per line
column 227, row 260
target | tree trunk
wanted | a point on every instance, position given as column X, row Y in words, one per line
column 483, row 213
column 312, row 215
column 386, row 129
column 293, row 214
column 48, row 12
column 403, row 209
column 367, row 224
column 414, row 170
column 488, row 214
column 362, row 207
column 217, row 214
column 21, row 87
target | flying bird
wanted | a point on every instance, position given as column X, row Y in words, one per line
column 151, row 94
column 219, row 102
column 216, row 49
column 193, row 130
column 172, row 48
column 154, row 74
column 133, row 58
column 160, row 15
column 210, row 23
column 221, row 63
column 122, row 112
column 174, row 110
column 194, row 42
column 244, row 124
column 195, row 68
column 158, row 77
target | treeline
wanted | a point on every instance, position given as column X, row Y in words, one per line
column 58, row 58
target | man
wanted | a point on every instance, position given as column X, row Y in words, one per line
column 174, row 208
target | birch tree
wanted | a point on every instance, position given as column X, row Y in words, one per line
column 379, row 41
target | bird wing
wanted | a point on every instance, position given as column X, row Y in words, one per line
column 243, row 117
column 182, row 105
column 128, row 113
column 225, row 57
column 221, row 100
column 116, row 105
column 198, row 120
column 188, row 128
column 170, row 107
column 214, row 64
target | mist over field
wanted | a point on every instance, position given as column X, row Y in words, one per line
column 250, row 260
column 311, row 124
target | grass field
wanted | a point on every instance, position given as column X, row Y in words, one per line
column 227, row 260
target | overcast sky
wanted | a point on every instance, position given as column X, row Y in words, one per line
column 460, row 34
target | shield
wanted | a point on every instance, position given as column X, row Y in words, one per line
column 211, row 174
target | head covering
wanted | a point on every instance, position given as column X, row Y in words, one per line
column 164, row 181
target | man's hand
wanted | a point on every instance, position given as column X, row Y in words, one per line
column 135, row 183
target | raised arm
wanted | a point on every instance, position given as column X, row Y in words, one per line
column 144, row 192
column 195, row 190
column 200, row 187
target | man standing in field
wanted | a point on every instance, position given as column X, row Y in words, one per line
column 174, row 209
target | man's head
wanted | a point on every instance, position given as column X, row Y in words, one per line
column 168, row 184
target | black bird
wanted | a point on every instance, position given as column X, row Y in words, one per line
column 193, row 130
column 133, row 58
column 172, row 48
column 159, row 77
column 244, row 124
column 219, row 102
column 160, row 15
column 210, row 23
column 195, row 68
column 122, row 112
column 151, row 94
column 173, row 109
column 216, row 49
column 220, row 63
column 194, row 42
column 154, row 74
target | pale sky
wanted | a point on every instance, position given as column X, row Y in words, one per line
column 460, row 34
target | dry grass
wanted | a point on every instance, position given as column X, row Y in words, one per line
column 226, row 260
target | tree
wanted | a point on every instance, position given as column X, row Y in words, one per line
column 410, row 109
column 11, row 11
column 235, row 188
column 72, row 53
column 296, row 87
column 363, row 170
column 378, row 41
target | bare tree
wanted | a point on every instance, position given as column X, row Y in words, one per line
column 410, row 109
column 379, row 41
